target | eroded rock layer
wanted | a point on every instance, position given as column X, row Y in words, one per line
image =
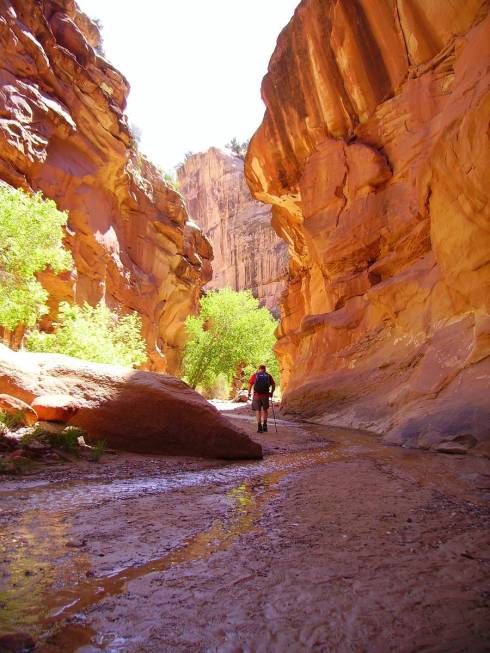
column 247, row 252
column 63, row 131
column 374, row 154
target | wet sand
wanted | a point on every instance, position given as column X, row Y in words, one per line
column 333, row 542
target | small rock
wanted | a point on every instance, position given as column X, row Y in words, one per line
column 76, row 544
column 16, row 643
column 16, row 455
column 451, row 447
column 36, row 447
column 51, row 427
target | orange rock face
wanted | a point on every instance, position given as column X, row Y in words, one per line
column 247, row 252
column 374, row 154
column 63, row 131
column 54, row 408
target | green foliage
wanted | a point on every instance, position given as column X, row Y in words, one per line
column 219, row 389
column 169, row 177
column 237, row 148
column 135, row 134
column 12, row 420
column 67, row 438
column 99, row 48
column 94, row 334
column 31, row 233
column 231, row 330
column 36, row 433
column 98, row 451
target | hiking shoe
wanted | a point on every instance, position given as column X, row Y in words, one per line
column 259, row 428
column 264, row 427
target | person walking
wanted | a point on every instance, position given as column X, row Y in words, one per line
column 263, row 386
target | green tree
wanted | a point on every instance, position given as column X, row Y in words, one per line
column 169, row 177
column 94, row 334
column 231, row 330
column 237, row 148
column 31, row 233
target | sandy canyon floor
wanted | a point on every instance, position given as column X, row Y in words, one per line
column 333, row 542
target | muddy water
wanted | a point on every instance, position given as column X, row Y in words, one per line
column 76, row 552
column 66, row 591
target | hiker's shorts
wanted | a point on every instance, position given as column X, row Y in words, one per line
column 260, row 402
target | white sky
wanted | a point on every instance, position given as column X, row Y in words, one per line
column 194, row 66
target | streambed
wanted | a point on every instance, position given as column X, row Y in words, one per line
column 333, row 542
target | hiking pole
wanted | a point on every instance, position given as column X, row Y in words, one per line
column 273, row 414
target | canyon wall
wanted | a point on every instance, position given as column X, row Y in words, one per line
column 374, row 153
column 63, row 131
column 247, row 252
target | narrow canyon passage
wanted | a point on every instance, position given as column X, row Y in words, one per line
column 333, row 542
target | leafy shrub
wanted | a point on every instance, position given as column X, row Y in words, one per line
column 36, row 433
column 97, row 451
column 237, row 148
column 231, row 332
column 12, row 420
column 218, row 389
column 169, row 177
column 135, row 134
column 94, row 334
column 67, row 438
column 31, row 233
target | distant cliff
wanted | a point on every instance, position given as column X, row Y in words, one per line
column 63, row 131
column 247, row 251
column 374, row 152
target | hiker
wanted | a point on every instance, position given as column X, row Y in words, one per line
column 264, row 386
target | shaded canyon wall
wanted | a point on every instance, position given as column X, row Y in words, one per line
column 247, row 252
column 374, row 153
column 63, row 131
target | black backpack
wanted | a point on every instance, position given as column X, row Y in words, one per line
column 262, row 383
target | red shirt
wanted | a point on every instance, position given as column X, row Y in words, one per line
column 259, row 394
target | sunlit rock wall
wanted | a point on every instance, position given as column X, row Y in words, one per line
column 63, row 131
column 247, row 252
column 374, row 153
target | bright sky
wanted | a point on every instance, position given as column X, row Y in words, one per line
column 194, row 67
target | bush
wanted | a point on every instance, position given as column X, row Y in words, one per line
column 169, row 177
column 219, row 389
column 231, row 332
column 12, row 420
column 31, row 233
column 36, row 433
column 94, row 334
column 237, row 148
column 98, row 451
column 67, row 438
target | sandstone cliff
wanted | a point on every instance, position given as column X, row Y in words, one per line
column 63, row 131
column 374, row 154
column 247, row 252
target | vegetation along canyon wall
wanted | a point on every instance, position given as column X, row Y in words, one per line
column 374, row 155
column 63, row 131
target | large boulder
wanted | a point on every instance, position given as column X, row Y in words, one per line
column 130, row 409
